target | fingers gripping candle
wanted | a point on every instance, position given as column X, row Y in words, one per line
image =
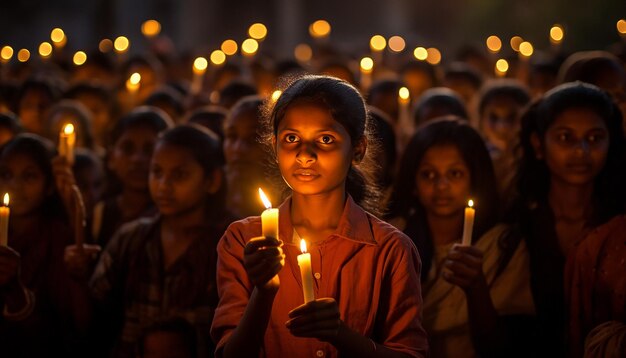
column 269, row 218
column 304, row 262
column 468, row 224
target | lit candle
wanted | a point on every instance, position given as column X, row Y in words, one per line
column 468, row 224
column 502, row 66
column 367, row 65
column 404, row 100
column 304, row 262
column 67, row 141
column 133, row 83
column 377, row 45
column 4, row 221
column 269, row 218
column 199, row 68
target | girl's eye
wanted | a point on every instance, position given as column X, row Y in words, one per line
column 563, row 137
column 327, row 139
column 457, row 174
column 291, row 138
column 427, row 174
column 595, row 138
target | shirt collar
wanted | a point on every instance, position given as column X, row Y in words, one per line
column 354, row 224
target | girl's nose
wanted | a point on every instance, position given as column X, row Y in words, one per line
column 306, row 154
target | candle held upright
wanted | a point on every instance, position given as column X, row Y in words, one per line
column 269, row 217
column 468, row 224
column 4, row 221
column 306, row 273
column 67, row 141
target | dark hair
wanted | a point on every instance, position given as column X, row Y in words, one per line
column 382, row 130
column 206, row 149
column 444, row 99
column 87, row 159
column 463, row 71
column 41, row 83
column 347, row 107
column 421, row 66
column 589, row 66
column 234, row 91
column 143, row 116
column 169, row 96
column 533, row 176
column 444, row 131
column 81, row 116
column 211, row 117
column 174, row 325
column 9, row 121
column 95, row 90
column 41, row 151
column 503, row 87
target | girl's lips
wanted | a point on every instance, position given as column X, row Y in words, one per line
column 305, row 174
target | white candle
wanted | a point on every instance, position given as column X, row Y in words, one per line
column 133, row 83
column 4, row 221
column 67, row 141
column 366, row 66
column 304, row 262
column 468, row 224
column 269, row 218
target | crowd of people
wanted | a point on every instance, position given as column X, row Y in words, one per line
column 147, row 242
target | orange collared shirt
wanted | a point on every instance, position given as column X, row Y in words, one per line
column 368, row 266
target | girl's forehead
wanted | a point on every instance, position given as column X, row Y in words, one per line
column 578, row 118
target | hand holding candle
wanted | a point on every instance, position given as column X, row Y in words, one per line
column 304, row 262
column 67, row 141
column 4, row 221
column 269, row 218
column 468, row 224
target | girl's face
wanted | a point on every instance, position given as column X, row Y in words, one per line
column 500, row 119
column 575, row 146
column 25, row 182
column 314, row 151
column 32, row 111
column 130, row 157
column 443, row 181
column 177, row 180
column 244, row 154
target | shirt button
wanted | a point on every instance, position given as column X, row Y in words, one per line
column 320, row 353
column 317, row 275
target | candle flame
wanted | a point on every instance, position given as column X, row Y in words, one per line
column 199, row 65
column 6, row 199
column 470, row 203
column 68, row 128
column 403, row 93
column 367, row 64
column 135, row 78
column 264, row 199
column 303, row 246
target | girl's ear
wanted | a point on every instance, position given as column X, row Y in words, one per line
column 359, row 150
column 214, row 182
column 536, row 143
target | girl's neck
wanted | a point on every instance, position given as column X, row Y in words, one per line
column 445, row 229
column 572, row 202
column 314, row 217
column 133, row 202
column 23, row 226
column 185, row 223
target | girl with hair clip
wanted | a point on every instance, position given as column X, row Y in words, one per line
column 164, row 266
column 570, row 179
column 475, row 299
column 366, row 273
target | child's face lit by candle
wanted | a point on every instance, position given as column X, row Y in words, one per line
column 443, row 181
column 24, row 179
column 576, row 146
column 314, row 151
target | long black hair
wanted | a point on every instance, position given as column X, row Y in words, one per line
column 444, row 131
column 531, row 184
column 348, row 108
